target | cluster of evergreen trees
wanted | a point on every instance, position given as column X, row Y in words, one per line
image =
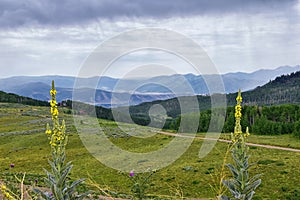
column 266, row 120
column 13, row 98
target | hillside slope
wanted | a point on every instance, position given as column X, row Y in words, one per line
column 13, row 98
column 283, row 90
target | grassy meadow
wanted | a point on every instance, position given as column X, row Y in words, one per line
column 24, row 143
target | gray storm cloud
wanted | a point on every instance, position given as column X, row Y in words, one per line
column 15, row 13
column 42, row 37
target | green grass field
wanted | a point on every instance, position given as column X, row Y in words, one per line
column 24, row 143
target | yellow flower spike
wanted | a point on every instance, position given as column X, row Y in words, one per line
column 238, row 115
column 238, row 133
column 53, row 103
column 55, row 112
column 57, row 132
column 52, row 92
column 239, row 98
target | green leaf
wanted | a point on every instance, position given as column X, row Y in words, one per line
column 233, row 170
column 250, row 195
column 225, row 198
column 64, row 175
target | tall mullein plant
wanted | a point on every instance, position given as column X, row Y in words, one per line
column 60, row 187
column 241, row 186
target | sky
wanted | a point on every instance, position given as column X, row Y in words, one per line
column 54, row 37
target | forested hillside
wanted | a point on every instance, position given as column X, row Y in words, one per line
column 271, row 109
column 13, row 98
column 284, row 89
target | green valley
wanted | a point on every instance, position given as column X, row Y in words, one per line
column 188, row 176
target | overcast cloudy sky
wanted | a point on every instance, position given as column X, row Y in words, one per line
column 55, row 37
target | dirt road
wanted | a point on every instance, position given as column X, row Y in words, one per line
column 228, row 141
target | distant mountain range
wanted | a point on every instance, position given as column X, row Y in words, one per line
column 136, row 91
column 284, row 89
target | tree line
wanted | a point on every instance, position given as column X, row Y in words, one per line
column 264, row 120
column 13, row 98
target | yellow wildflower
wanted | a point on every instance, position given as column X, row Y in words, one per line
column 52, row 92
column 3, row 187
column 6, row 193
column 238, row 115
column 58, row 138
column 236, row 136
column 239, row 98
column 53, row 103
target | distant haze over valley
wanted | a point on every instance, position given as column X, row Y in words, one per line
column 115, row 92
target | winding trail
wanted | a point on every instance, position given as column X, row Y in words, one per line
column 229, row 141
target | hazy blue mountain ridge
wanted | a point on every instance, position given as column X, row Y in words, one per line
column 137, row 90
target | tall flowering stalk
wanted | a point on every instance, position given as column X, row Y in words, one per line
column 241, row 186
column 57, row 135
column 61, row 188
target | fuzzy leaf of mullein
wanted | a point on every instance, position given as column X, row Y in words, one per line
column 231, row 187
column 64, row 175
column 66, row 166
column 82, row 196
column 228, row 184
column 225, row 197
column 252, row 186
column 71, row 189
column 254, row 178
column 53, row 167
column 233, row 170
column 250, row 195
column 237, row 160
column 50, row 178
column 44, row 195
column 57, row 193
column 60, row 160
